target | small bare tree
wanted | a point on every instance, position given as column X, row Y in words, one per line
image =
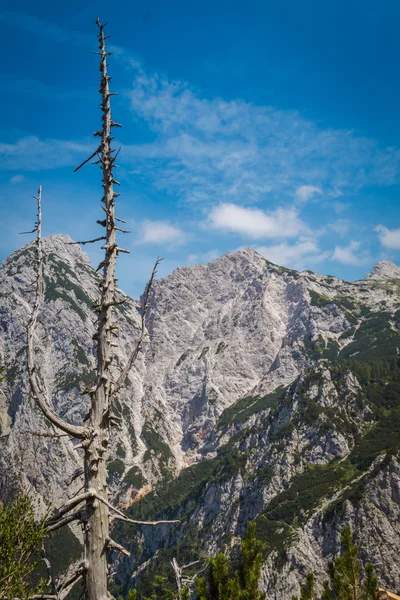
column 92, row 507
column 185, row 583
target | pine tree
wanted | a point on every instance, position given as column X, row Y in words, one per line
column 234, row 589
column 201, row 589
column 346, row 575
column 307, row 591
column 244, row 583
column 370, row 584
column 185, row 595
column 326, row 591
column 162, row 591
column 21, row 540
column 251, row 565
column 218, row 577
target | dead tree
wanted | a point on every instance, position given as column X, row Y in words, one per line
column 92, row 507
column 183, row 581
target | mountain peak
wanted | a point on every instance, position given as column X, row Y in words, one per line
column 61, row 245
column 384, row 270
column 66, row 248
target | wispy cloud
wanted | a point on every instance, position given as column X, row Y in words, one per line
column 213, row 150
column 160, row 232
column 304, row 253
column 351, row 254
column 340, row 226
column 307, row 192
column 225, row 156
column 33, row 154
column 390, row 238
column 340, row 207
column 16, row 179
column 255, row 223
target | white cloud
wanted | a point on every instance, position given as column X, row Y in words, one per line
column 17, row 179
column 389, row 237
column 304, row 193
column 340, row 226
column 340, row 207
column 304, row 253
column 160, row 232
column 237, row 152
column 255, row 223
column 350, row 255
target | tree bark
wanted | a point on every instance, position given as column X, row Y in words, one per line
column 95, row 509
column 96, row 447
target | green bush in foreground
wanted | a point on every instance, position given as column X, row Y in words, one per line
column 21, row 539
column 244, row 583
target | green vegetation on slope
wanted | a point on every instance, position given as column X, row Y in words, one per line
column 375, row 339
column 244, row 408
column 157, row 448
column 278, row 523
column 61, row 282
column 317, row 349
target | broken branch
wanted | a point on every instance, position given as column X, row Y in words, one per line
column 71, row 504
column 75, row 431
column 124, row 518
column 115, row 546
column 166, row 522
column 121, row 379
column 87, row 160
column 99, row 239
column 68, row 584
column 47, row 435
column 68, row 519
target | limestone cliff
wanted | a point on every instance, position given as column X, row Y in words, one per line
column 279, row 388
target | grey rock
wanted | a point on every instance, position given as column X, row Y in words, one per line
column 231, row 331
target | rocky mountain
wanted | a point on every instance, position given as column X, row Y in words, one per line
column 384, row 270
column 262, row 393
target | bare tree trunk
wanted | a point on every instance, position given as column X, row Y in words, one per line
column 37, row 391
column 96, row 448
column 178, row 577
column 183, row 582
column 95, row 435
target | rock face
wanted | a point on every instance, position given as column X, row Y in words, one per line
column 384, row 269
column 64, row 350
column 279, row 390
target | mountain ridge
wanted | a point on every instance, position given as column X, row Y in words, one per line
column 252, row 376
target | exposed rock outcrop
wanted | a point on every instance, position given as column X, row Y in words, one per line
column 251, row 374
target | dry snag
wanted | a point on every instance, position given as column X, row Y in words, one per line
column 92, row 506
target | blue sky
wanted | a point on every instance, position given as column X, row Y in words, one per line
column 265, row 124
